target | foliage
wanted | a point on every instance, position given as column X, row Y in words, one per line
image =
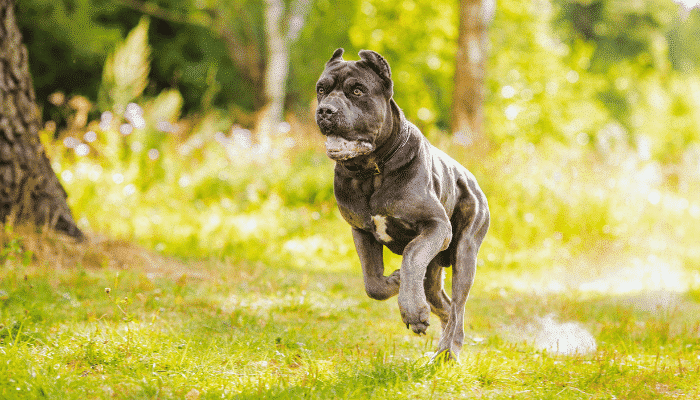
column 534, row 94
column 125, row 75
column 11, row 248
column 644, row 54
column 67, row 40
column 326, row 29
column 563, row 68
column 185, row 187
column 638, row 31
column 419, row 40
column 55, row 32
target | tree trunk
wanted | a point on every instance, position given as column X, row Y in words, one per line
column 468, row 95
column 278, row 42
column 277, row 69
column 29, row 189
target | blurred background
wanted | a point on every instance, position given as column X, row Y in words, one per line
column 187, row 125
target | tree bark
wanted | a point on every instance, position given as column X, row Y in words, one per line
column 472, row 47
column 29, row 189
column 277, row 68
column 278, row 42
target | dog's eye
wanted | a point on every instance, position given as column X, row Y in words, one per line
column 357, row 92
column 320, row 90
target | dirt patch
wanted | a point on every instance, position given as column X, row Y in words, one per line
column 27, row 245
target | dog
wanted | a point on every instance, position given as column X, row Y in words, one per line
column 396, row 190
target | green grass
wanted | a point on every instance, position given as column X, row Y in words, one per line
column 225, row 330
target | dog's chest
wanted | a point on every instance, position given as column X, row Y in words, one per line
column 363, row 211
column 391, row 232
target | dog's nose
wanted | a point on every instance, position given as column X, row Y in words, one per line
column 326, row 111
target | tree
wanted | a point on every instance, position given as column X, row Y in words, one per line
column 257, row 34
column 470, row 70
column 29, row 189
column 278, row 41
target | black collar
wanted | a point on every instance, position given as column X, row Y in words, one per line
column 377, row 167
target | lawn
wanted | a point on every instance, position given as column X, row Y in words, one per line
column 146, row 326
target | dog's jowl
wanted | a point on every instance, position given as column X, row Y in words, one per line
column 396, row 190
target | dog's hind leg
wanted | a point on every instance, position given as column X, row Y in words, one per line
column 434, row 291
column 463, row 272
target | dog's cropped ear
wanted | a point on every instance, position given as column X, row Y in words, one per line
column 337, row 56
column 378, row 64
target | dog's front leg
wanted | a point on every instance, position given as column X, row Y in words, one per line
column 434, row 237
column 377, row 286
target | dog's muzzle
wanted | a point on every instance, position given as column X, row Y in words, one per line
column 326, row 117
column 340, row 149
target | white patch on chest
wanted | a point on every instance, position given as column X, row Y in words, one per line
column 380, row 227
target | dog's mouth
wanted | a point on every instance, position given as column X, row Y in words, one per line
column 340, row 149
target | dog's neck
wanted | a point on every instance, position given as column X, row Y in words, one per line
column 373, row 164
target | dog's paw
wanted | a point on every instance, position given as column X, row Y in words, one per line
column 394, row 279
column 444, row 357
column 418, row 328
column 448, row 348
column 415, row 314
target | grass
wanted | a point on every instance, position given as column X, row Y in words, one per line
column 152, row 328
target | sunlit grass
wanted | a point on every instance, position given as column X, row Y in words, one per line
column 227, row 330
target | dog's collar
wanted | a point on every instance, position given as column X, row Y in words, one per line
column 377, row 167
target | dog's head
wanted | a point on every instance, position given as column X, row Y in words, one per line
column 354, row 104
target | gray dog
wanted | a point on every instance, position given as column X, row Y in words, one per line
column 396, row 190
